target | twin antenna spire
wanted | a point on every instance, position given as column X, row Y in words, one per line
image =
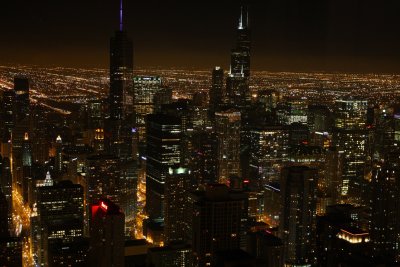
column 241, row 22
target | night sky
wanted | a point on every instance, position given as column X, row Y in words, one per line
column 287, row 35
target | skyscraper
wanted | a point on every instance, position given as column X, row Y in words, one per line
column 385, row 221
column 21, row 88
column 107, row 234
column 26, row 152
column 237, row 83
column 103, row 178
column 240, row 57
column 217, row 91
column 60, row 216
column 350, row 136
column 8, row 109
column 227, row 127
column 119, row 127
column 216, row 225
column 177, row 187
column 144, row 89
column 163, row 152
column 298, row 215
column 121, row 73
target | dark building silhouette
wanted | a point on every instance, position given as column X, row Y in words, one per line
column 216, row 91
column 163, row 152
column 21, row 104
column 237, row 83
column 177, row 187
column 217, row 222
column 106, row 234
column 173, row 255
column 298, row 214
column 4, row 233
column 121, row 75
column 266, row 248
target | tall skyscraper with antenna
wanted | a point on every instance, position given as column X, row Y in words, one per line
column 120, row 123
column 240, row 56
column 237, row 83
column 121, row 72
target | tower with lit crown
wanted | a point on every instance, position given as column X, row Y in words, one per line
column 237, row 83
column 121, row 73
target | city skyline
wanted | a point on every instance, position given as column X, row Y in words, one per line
column 348, row 36
column 180, row 167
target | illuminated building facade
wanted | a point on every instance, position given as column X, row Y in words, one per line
column 177, row 188
column 103, row 177
column 145, row 88
column 350, row 136
column 227, row 128
column 6, row 185
column 8, row 112
column 60, row 216
column 163, row 136
column 59, row 155
column 385, row 221
column 268, row 152
column 298, row 215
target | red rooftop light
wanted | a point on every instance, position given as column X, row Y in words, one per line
column 103, row 206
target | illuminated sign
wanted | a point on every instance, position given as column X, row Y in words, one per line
column 103, row 206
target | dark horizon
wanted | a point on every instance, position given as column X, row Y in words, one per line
column 329, row 36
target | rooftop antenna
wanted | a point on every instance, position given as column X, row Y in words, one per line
column 241, row 19
column 121, row 16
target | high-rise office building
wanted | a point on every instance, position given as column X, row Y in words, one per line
column 204, row 157
column 298, row 215
column 385, row 220
column 26, row 152
column 240, row 57
column 217, row 222
column 163, row 135
column 177, row 187
column 21, row 89
column 227, row 128
column 8, row 112
column 107, row 234
column 6, row 186
column 237, row 83
column 145, row 88
column 217, row 90
column 268, row 152
column 103, row 178
column 121, row 73
column 350, row 137
column 119, row 127
column 60, row 216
